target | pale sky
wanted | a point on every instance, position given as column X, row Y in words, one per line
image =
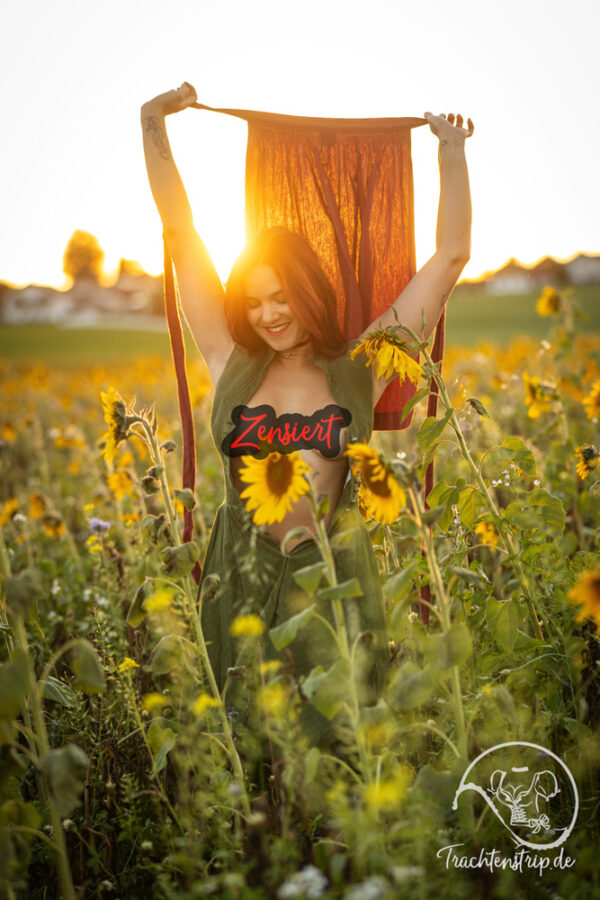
column 73, row 75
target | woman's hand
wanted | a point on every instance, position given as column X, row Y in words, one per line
column 447, row 130
column 172, row 101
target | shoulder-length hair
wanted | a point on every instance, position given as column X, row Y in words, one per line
column 307, row 290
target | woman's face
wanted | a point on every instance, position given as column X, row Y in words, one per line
column 268, row 311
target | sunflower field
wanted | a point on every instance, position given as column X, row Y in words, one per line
column 125, row 773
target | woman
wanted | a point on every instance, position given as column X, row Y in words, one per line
column 275, row 354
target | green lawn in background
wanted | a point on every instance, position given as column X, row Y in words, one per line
column 473, row 315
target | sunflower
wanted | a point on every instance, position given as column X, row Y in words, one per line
column 592, row 402
column 539, row 396
column 548, row 303
column 586, row 593
column 380, row 496
column 276, row 483
column 386, row 351
column 587, row 460
column 115, row 416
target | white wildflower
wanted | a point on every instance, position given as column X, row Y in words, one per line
column 308, row 884
column 373, row 888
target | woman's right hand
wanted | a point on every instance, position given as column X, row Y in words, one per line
column 172, row 101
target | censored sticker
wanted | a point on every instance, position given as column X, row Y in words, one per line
column 258, row 431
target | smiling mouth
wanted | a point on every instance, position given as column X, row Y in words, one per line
column 278, row 329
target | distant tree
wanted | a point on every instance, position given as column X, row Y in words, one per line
column 83, row 256
column 130, row 267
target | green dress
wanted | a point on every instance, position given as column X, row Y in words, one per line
column 245, row 571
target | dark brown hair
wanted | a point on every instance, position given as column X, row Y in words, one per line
column 307, row 290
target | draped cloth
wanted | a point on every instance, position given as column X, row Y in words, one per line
column 347, row 186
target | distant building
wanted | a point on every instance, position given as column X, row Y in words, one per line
column 512, row 278
column 583, row 269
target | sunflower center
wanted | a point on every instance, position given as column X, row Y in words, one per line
column 378, row 487
column 280, row 473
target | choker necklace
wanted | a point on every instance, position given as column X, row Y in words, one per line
column 286, row 353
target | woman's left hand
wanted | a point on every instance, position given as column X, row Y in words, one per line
column 449, row 128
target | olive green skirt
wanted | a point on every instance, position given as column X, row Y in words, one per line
column 246, row 572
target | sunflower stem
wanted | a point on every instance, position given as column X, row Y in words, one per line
column 503, row 526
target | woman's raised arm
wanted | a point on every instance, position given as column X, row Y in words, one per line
column 200, row 289
column 427, row 292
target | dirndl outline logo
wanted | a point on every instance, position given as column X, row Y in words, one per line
column 520, row 796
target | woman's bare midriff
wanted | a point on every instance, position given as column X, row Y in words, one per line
column 301, row 391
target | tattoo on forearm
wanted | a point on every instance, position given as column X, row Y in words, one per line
column 159, row 138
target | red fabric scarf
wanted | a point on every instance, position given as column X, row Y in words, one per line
column 346, row 185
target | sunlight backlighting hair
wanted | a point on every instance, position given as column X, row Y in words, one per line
column 307, row 289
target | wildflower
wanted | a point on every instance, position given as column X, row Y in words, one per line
column 247, row 626
column 270, row 666
column 115, row 416
column 129, row 518
column 388, row 793
column 308, row 884
column 128, row 664
column 8, row 510
column 154, row 701
column 373, row 888
column 99, row 525
column 8, row 432
column 548, row 303
column 273, row 699
column 276, row 483
column 586, row 593
column 587, row 460
column 539, row 396
column 385, row 350
column 120, row 484
column 37, row 506
column 53, row 526
column 159, row 601
column 592, row 401
column 94, row 544
column 382, row 496
column 487, row 533
column 204, row 702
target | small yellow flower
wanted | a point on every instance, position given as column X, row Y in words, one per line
column 159, row 601
column 53, row 526
column 487, row 533
column 588, row 459
column 247, row 626
column 8, row 510
column 204, row 702
column 270, row 667
column 94, row 544
column 74, row 467
column 37, row 506
column 548, row 303
column 387, row 794
column 380, row 495
column 586, row 593
column 154, row 701
column 120, row 484
column 276, row 483
column 273, row 699
column 129, row 519
column 128, row 664
column 539, row 396
column 386, row 351
column 592, row 402
column 8, row 432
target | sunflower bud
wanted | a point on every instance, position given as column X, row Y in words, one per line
column 168, row 446
column 186, row 498
column 179, row 561
column 150, row 485
column 155, row 471
column 154, row 527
